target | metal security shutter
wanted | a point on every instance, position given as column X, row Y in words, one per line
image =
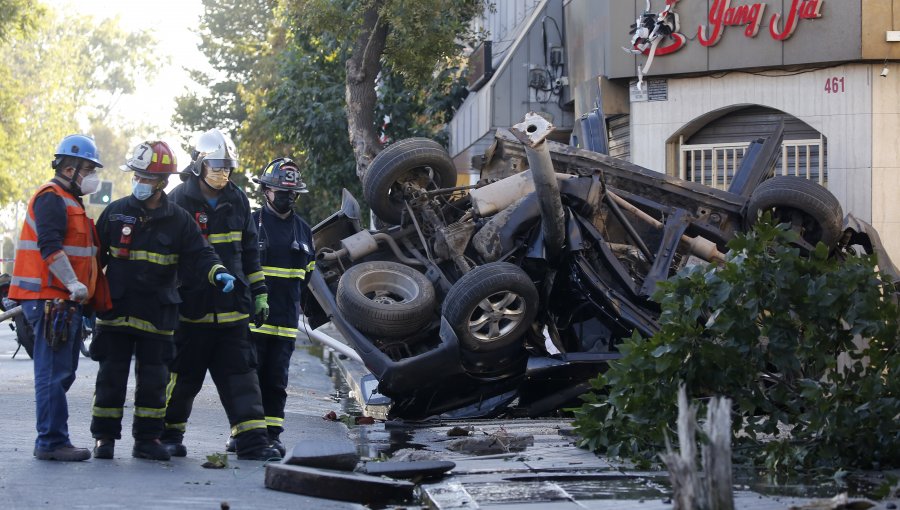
column 619, row 129
column 711, row 155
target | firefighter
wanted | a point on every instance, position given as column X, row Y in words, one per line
column 213, row 333
column 55, row 274
column 287, row 258
column 144, row 240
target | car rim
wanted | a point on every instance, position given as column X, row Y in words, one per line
column 496, row 316
column 388, row 287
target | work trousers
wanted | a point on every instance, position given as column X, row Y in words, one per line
column 274, row 359
column 54, row 373
column 113, row 349
column 229, row 357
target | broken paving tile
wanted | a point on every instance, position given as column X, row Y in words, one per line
column 516, row 492
column 494, row 443
column 421, row 470
column 338, row 485
column 337, row 455
column 447, row 496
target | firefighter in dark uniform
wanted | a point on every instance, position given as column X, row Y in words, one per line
column 144, row 239
column 287, row 257
column 213, row 333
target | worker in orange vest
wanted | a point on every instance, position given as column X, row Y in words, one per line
column 56, row 274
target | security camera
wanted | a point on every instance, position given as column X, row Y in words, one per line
column 885, row 71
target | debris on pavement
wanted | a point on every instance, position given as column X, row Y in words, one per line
column 216, row 461
column 335, row 455
column 339, row 485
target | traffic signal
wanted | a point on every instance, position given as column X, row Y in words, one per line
column 103, row 196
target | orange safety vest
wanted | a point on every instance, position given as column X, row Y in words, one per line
column 32, row 278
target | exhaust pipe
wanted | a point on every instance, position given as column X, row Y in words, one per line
column 532, row 132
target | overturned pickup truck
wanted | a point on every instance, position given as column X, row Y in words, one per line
column 509, row 295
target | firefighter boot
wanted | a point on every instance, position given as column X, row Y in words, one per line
column 275, row 442
column 175, row 449
column 261, row 453
column 151, row 449
column 230, row 445
column 104, row 448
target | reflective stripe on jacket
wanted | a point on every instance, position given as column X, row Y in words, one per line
column 142, row 251
column 231, row 232
column 32, row 278
column 287, row 256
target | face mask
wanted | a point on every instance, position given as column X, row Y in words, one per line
column 216, row 180
column 90, row 184
column 142, row 190
column 282, row 202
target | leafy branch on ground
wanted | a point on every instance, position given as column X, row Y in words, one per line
column 767, row 330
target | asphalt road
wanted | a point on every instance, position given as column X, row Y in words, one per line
column 125, row 482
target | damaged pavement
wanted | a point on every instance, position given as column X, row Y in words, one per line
column 514, row 463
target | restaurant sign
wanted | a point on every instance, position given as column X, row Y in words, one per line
column 750, row 16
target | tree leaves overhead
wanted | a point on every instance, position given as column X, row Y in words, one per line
column 235, row 39
column 18, row 17
column 53, row 74
column 282, row 83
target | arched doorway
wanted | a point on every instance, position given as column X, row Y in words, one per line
column 709, row 149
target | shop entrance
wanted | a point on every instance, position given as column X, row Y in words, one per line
column 711, row 148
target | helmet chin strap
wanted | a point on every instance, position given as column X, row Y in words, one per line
column 74, row 187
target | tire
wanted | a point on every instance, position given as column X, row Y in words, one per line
column 491, row 306
column 418, row 160
column 813, row 211
column 386, row 299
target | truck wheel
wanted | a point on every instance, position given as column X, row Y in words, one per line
column 417, row 161
column 386, row 299
column 812, row 210
column 491, row 306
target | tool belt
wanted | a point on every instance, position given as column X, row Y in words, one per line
column 58, row 315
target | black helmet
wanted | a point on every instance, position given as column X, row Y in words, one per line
column 282, row 174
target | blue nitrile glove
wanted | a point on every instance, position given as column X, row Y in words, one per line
column 261, row 309
column 228, row 280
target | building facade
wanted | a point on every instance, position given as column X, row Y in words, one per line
column 722, row 73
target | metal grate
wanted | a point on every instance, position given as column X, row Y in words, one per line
column 714, row 164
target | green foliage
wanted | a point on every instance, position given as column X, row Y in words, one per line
column 235, row 39
column 18, row 17
column 280, row 87
column 58, row 70
column 765, row 329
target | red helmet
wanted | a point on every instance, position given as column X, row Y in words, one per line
column 151, row 159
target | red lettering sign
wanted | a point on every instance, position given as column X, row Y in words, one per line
column 800, row 9
column 722, row 15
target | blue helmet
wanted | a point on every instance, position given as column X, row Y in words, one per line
column 79, row 146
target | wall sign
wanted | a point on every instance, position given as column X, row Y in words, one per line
column 722, row 14
column 655, row 90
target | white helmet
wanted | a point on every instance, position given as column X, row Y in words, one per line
column 215, row 148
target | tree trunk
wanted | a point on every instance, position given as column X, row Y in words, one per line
column 362, row 72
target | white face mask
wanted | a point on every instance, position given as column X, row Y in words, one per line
column 90, row 184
